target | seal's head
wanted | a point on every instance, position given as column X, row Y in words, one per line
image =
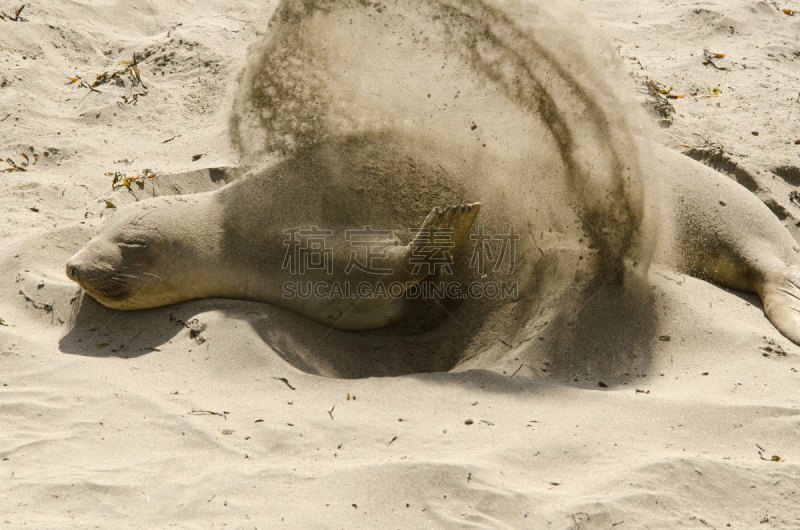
column 145, row 256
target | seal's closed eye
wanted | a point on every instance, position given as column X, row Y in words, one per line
column 133, row 244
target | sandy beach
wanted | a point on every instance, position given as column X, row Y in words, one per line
column 203, row 414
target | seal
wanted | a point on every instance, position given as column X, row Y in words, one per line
column 238, row 243
column 715, row 229
column 372, row 118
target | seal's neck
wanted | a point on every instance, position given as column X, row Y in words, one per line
column 225, row 255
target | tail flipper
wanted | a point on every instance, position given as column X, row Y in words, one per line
column 781, row 299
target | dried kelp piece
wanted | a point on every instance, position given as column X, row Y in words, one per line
column 16, row 17
column 122, row 180
column 22, row 166
column 709, row 58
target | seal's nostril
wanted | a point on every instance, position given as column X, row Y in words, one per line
column 72, row 271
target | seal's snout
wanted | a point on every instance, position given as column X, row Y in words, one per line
column 74, row 268
column 78, row 270
column 101, row 280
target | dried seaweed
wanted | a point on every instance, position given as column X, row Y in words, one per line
column 16, row 17
column 23, row 166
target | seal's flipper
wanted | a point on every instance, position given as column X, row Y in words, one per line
column 781, row 299
column 458, row 218
column 440, row 235
column 431, row 249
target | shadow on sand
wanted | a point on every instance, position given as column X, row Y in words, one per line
column 608, row 336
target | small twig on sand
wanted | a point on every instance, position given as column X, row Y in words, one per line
column 285, row 381
column 90, row 87
column 207, row 413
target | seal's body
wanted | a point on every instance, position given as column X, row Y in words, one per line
column 715, row 229
column 375, row 115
